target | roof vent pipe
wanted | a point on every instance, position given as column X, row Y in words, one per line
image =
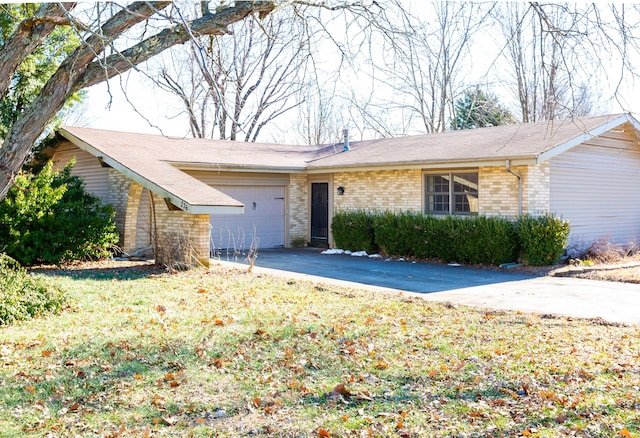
column 345, row 133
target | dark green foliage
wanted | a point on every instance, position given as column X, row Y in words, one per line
column 473, row 239
column 353, row 230
column 23, row 296
column 478, row 109
column 49, row 218
column 37, row 68
column 476, row 239
column 487, row 240
column 542, row 238
column 393, row 232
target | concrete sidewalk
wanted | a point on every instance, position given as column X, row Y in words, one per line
column 565, row 296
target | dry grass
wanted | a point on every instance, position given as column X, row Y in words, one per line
column 230, row 353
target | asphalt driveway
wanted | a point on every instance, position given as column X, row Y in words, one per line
column 486, row 288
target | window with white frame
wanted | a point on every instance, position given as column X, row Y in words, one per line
column 451, row 193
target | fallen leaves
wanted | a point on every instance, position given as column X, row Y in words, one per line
column 177, row 350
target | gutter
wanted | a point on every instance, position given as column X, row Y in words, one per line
column 519, row 176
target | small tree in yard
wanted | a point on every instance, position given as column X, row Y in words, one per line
column 50, row 218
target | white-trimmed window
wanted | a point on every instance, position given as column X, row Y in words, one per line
column 451, row 193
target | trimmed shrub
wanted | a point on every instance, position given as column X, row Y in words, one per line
column 23, row 296
column 49, row 218
column 474, row 239
column 487, row 240
column 394, row 232
column 477, row 239
column 542, row 238
column 353, row 231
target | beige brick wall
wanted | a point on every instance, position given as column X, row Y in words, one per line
column 124, row 194
column 498, row 191
column 298, row 208
column 182, row 238
column 403, row 191
column 538, row 189
column 395, row 190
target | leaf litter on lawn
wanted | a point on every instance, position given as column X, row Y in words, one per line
column 228, row 353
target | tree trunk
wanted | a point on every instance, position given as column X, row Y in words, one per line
column 79, row 70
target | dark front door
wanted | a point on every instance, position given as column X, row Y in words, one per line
column 320, row 213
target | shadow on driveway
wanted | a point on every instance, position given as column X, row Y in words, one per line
column 392, row 273
column 484, row 288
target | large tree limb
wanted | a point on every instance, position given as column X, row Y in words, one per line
column 29, row 34
column 210, row 24
column 79, row 70
column 27, row 129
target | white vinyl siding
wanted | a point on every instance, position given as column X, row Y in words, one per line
column 595, row 187
column 87, row 167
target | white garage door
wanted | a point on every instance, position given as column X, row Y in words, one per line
column 261, row 225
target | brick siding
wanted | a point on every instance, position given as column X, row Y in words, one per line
column 538, row 193
column 498, row 191
column 298, row 207
column 395, row 190
column 181, row 238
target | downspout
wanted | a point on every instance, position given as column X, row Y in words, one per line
column 517, row 175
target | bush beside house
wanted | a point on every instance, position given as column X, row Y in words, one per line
column 50, row 218
column 475, row 239
column 354, row 230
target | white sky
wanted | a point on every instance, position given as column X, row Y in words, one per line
column 158, row 112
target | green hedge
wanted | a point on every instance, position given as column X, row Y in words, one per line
column 24, row 296
column 354, row 231
column 473, row 239
column 542, row 239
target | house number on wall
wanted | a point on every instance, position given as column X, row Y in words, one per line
column 184, row 206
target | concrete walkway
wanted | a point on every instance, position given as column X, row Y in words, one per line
column 492, row 289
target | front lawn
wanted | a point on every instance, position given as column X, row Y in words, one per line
column 230, row 353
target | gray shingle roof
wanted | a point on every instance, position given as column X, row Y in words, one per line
column 156, row 159
column 523, row 141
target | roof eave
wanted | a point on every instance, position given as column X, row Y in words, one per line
column 585, row 136
column 432, row 164
column 177, row 201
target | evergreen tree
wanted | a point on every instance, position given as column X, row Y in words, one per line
column 50, row 218
column 477, row 109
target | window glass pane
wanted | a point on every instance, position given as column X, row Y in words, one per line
column 455, row 193
column 437, row 194
column 465, row 182
column 465, row 204
column 438, row 184
column 438, row 203
column 465, row 192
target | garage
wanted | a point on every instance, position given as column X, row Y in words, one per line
column 261, row 225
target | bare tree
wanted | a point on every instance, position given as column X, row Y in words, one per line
column 547, row 49
column 90, row 63
column 232, row 86
column 317, row 121
column 425, row 59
